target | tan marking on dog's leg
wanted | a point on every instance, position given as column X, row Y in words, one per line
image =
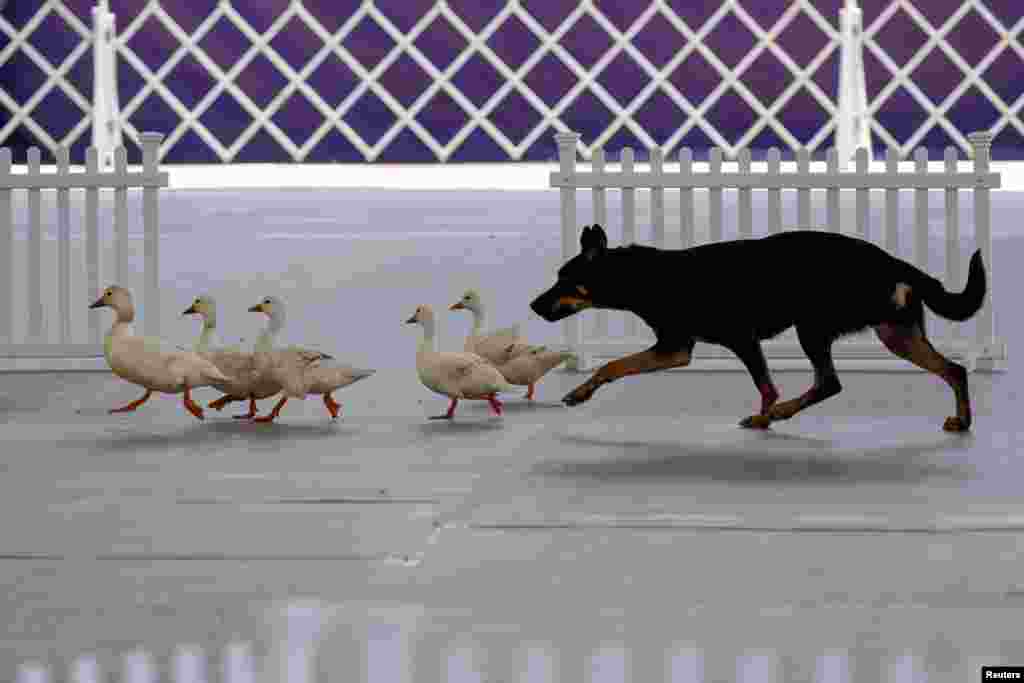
column 635, row 364
column 901, row 294
column 911, row 344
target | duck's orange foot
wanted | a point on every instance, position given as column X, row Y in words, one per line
column 333, row 407
column 495, row 404
column 192, row 407
column 450, row 414
column 134, row 404
column 220, row 402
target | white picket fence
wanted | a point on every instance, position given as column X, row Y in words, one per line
column 984, row 352
column 188, row 665
column 36, row 340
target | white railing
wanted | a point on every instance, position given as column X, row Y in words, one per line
column 36, row 341
column 985, row 351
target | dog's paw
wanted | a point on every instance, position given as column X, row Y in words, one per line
column 956, row 424
column 784, row 410
column 579, row 395
column 756, row 422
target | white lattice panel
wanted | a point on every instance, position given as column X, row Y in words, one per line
column 695, row 112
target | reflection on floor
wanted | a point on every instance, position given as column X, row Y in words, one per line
column 312, row 641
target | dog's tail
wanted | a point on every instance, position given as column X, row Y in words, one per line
column 953, row 306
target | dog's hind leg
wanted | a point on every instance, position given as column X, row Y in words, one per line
column 752, row 356
column 910, row 343
column 818, row 347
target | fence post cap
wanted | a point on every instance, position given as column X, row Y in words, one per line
column 567, row 138
column 150, row 136
column 980, row 137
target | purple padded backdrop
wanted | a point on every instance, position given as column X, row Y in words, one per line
column 900, row 114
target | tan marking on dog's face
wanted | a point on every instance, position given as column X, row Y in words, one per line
column 901, row 294
column 573, row 301
column 583, row 291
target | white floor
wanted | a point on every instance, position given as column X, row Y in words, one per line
column 638, row 531
column 642, row 536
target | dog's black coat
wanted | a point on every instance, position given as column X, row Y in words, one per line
column 754, row 289
column 736, row 294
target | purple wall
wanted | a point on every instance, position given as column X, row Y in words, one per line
column 900, row 114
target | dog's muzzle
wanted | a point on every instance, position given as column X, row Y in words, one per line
column 555, row 308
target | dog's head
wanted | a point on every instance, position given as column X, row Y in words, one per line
column 580, row 280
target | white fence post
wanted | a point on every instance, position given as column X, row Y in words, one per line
column 189, row 665
column 746, row 208
column 658, row 199
column 628, row 227
column 238, row 664
column 863, row 196
column 774, row 195
column 953, row 239
column 715, row 197
column 921, row 213
column 106, row 124
column 151, row 238
column 92, row 241
column 33, row 673
column 121, row 220
column 981, row 142
column 686, row 218
column 892, row 204
column 64, row 248
column 832, row 193
column 567, row 168
column 600, row 198
column 35, row 254
column 803, row 194
column 6, row 247
column 138, row 668
column 85, row 670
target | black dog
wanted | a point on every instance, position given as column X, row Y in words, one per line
column 737, row 293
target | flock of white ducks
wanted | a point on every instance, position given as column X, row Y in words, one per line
column 492, row 362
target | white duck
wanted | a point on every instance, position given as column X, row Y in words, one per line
column 494, row 345
column 526, row 368
column 254, row 375
column 149, row 362
column 205, row 306
column 298, row 380
column 457, row 375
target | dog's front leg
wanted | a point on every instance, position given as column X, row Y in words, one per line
column 650, row 360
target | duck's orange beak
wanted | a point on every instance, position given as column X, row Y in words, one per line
column 258, row 308
column 97, row 304
column 457, row 306
column 191, row 310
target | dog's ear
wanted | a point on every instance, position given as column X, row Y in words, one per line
column 593, row 240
